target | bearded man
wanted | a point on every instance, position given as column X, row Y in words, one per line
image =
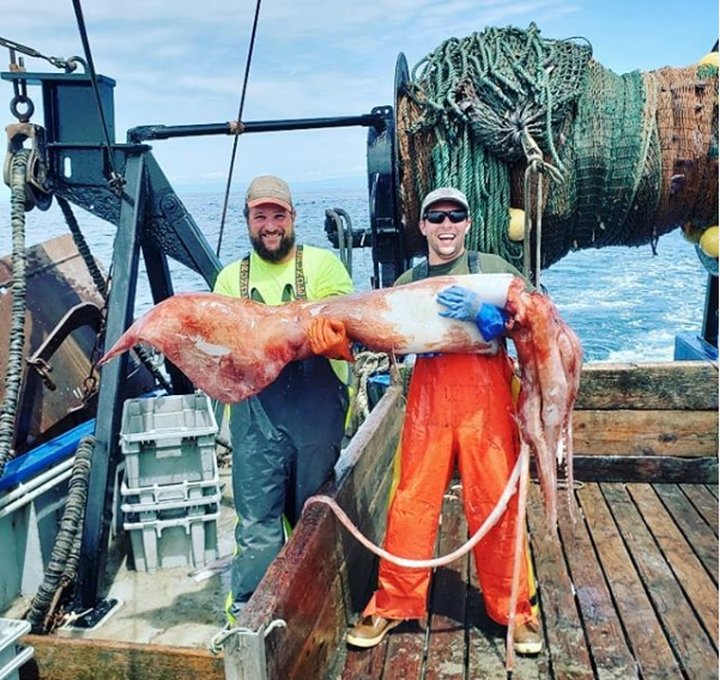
column 286, row 439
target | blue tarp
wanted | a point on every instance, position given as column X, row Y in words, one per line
column 44, row 456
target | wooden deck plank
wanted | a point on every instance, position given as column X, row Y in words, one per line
column 365, row 664
column 486, row 644
column 645, row 635
column 446, row 643
column 486, row 648
column 682, row 385
column 691, row 645
column 702, row 541
column 61, row 658
column 566, row 642
column 596, row 584
column 603, row 630
column 704, row 501
column 713, row 489
column 699, row 587
column 649, row 433
column 408, row 643
column 628, row 468
column 405, row 650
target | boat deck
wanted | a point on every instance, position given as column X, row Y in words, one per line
column 628, row 590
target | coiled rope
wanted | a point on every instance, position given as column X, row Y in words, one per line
column 487, row 102
column 14, row 371
column 62, row 566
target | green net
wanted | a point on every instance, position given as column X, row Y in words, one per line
column 487, row 100
column 610, row 143
column 631, row 156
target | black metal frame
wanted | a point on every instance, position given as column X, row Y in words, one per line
column 150, row 218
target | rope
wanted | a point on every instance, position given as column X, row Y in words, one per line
column 14, row 370
column 366, row 364
column 238, row 128
column 62, row 566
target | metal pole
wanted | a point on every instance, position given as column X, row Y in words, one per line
column 149, row 132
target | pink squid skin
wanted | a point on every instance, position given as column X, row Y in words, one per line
column 529, row 413
column 232, row 348
column 382, row 320
column 197, row 332
column 550, row 358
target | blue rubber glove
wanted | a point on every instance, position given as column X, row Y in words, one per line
column 465, row 305
column 491, row 321
column 462, row 303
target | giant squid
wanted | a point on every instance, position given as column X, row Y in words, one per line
column 232, row 348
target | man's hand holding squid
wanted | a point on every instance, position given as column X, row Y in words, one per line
column 465, row 305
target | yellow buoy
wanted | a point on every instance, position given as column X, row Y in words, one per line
column 516, row 227
column 710, row 58
column 709, row 242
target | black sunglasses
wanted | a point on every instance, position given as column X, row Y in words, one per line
column 438, row 216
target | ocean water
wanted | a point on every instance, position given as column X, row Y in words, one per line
column 625, row 304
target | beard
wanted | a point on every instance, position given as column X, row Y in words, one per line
column 286, row 245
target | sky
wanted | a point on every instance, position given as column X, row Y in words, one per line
column 182, row 62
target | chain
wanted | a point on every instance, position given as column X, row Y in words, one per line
column 69, row 65
column 90, row 384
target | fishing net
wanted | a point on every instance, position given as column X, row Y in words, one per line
column 483, row 104
column 630, row 156
column 607, row 140
column 686, row 120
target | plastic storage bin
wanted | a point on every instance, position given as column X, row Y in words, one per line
column 172, row 509
column 176, row 542
column 168, row 440
column 170, row 493
column 12, row 655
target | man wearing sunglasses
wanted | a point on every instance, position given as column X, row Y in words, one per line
column 460, row 412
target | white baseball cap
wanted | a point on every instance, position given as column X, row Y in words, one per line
column 445, row 194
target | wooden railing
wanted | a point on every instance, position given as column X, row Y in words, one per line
column 647, row 422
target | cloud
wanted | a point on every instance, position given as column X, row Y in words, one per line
column 185, row 63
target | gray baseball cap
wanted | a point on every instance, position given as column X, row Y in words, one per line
column 444, row 194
